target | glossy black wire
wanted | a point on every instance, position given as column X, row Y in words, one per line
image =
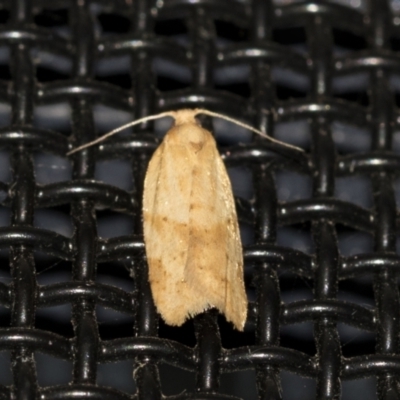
column 321, row 214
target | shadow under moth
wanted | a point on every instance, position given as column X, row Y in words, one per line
column 190, row 226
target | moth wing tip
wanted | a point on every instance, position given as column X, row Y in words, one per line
column 174, row 320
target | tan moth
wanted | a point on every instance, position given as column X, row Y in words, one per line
column 190, row 226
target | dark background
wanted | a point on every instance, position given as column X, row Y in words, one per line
column 319, row 229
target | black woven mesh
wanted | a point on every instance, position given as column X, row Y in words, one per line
column 319, row 230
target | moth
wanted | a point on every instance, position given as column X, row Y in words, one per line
column 190, row 226
column 191, row 231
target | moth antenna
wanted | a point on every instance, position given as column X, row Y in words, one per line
column 121, row 128
column 172, row 114
column 249, row 127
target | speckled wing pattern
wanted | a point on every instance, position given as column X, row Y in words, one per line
column 191, row 231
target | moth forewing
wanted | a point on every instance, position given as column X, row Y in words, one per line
column 190, row 228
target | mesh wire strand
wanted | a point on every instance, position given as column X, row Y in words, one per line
column 319, row 230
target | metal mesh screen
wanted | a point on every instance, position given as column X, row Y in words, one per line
column 319, row 230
